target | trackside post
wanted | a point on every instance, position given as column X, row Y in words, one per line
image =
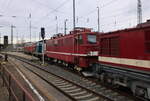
column 43, row 36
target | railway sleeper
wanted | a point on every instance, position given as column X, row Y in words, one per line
column 78, row 93
column 84, row 96
column 60, row 83
column 63, row 86
column 69, row 88
column 73, row 90
column 92, row 99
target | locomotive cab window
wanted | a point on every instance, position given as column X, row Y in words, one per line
column 91, row 39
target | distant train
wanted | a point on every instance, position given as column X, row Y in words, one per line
column 35, row 48
column 117, row 58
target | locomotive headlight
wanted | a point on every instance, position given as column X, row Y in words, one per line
column 93, row 53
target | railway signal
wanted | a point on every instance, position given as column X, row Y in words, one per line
column 43, row 36
column 5, row 41
column 43, row 33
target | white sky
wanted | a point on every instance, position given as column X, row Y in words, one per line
column 114, row 15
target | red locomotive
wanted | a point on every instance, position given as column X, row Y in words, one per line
column 124, row 59
column 77, row 49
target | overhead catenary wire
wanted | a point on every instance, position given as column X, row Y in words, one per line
column 7, row 5
column 105, row 17
column 95, row 10
column 109, row 3
column 47, row 6
column 48, row 22
column 54, row 10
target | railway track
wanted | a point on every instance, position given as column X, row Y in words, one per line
column 76, row 91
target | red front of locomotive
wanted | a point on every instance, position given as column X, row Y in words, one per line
column 79, row 48
column 86, row 47
column 29, row 47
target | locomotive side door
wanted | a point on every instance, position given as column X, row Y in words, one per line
column 78, row 40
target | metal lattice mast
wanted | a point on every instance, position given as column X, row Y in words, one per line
column 139, row 12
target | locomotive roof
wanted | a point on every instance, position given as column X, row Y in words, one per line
column 138, row 27
column 76, row 31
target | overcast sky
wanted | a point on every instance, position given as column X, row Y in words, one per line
column 114, row 15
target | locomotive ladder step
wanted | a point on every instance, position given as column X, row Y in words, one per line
column 83, row 96
column 78, row 93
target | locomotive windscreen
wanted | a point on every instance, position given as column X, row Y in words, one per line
column 92, row 39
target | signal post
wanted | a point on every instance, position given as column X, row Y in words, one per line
column 43, row 36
